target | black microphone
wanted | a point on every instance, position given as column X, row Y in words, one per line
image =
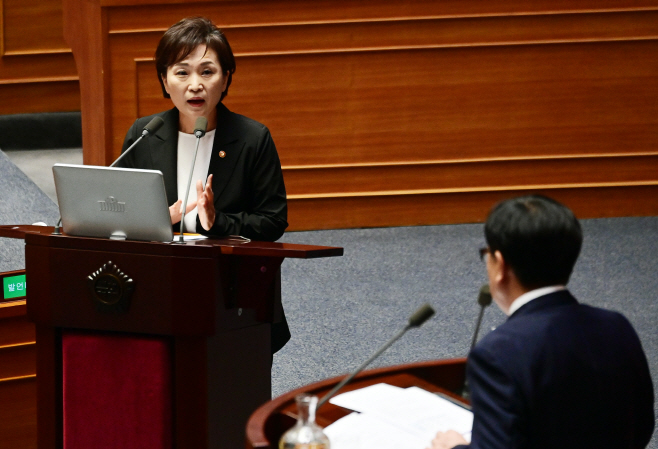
column 200, row 126
column 416, row 320
column 484, row 299
column 150, row 128
column 153, row 126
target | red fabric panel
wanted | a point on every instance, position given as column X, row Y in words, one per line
column 117, row 391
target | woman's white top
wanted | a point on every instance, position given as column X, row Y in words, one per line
column 186, row 147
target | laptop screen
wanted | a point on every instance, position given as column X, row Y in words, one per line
column 117, row 203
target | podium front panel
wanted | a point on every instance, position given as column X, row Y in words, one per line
column 117, row 391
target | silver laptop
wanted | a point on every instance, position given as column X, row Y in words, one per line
column 116, row 203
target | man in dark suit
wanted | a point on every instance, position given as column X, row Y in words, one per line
column 556, row 374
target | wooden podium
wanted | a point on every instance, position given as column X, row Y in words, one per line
column 272, row 419
column 143, row 344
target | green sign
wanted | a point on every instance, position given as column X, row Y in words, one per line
column 14, row 286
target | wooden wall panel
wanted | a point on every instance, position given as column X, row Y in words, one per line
column 132, row 62
column 468, row 176
column 333, row 111
column 40, row 96
column 459, row 207
column 18, row 426
column 37, row 70
column 18, row 360
column 394, row 101
column 16, row 330
column 443, row 104
column 18, row 414
column 31, row 27
column 131, row 15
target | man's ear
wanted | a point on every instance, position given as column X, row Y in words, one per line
column 507, row 276
column 500, row 267
column 502, row 281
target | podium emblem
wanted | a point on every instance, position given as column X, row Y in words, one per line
column 111, row 289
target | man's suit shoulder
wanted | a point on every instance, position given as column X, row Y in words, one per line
column 537, row 327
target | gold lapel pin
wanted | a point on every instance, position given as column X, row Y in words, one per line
column 222, row 154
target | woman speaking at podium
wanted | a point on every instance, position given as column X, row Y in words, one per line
column 239, row 183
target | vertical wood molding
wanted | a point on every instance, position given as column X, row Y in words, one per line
column 2, row 28
column 85, row 30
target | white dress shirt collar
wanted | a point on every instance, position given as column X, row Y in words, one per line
column 532, row 294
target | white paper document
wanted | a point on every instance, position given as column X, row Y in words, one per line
column 393, row 417
column 363, row 431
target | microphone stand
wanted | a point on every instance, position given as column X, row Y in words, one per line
column 199, row 131
column 416, row 320
column 484, row 299
column 58, row 227
column 149, row 129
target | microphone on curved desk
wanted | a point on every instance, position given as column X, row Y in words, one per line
column 484, row 299
column 416, row 320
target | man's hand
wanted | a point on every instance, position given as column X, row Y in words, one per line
column 205, row 203
column 175, row 210
column 447, row 440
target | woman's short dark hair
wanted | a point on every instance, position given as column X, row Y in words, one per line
column 538, row 237
column 183, row 37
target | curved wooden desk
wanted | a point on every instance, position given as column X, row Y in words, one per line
column 272, row 419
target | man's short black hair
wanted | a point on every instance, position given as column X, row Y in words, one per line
column 538, row 237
